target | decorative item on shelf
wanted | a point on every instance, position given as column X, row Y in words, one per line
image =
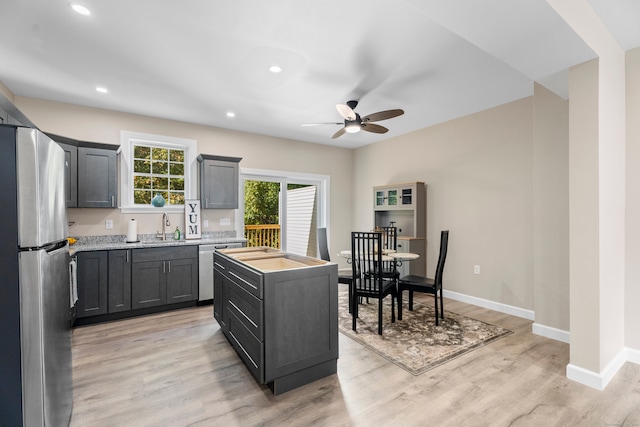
column 158, row 200
column 192, row 219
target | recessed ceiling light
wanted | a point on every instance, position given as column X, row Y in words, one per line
column 231, row 114
column 275, row 69
column 78, row 8
column 101, row 89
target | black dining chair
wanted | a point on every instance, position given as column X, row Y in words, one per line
column 390, row 242
column 344, row 274
column 368, row 278
column 413, row 283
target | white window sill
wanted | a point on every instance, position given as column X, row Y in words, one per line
column 152, row 210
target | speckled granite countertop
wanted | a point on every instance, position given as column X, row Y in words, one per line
column 100, row 243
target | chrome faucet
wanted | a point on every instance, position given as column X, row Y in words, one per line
column 165, row 224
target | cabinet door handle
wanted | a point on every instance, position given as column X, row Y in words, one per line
column 112, row 201
column 169, row 262
column 164, row 268
column 127, row 257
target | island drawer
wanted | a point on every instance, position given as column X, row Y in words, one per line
column 247, row 279
column 247, row 308
column 250, row 349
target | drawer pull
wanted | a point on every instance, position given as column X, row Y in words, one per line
column 243, row 350
column 217, row 264
column 243, row 315
column 240, row 278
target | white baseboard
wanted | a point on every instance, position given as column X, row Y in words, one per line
column 594, row 379
column 491, row 305
column 633, row 355
column 549, row 332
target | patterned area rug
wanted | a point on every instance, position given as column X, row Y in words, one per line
column 416, row 344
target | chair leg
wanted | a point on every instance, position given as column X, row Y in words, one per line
column 399, row 304
column 350, row 296
column 379, row 316
column 441, row 305
column 354, row 313
column 435, row 298
column 410, row 300
column 393, row 309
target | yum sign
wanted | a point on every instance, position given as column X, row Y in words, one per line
column 192, row 219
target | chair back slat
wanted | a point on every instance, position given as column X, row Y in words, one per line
column 323, row 246
column 444, row 242
column 366, row 259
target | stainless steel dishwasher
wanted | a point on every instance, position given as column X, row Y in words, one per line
column 205, row 269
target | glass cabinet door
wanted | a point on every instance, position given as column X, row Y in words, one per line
column 380, row 197
column 392, row 198
column 407, row 196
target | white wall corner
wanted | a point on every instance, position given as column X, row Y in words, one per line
column 597, row 380
column 491, row 305
column 549, row 332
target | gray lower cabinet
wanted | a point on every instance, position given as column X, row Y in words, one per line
column 164, row 276
column 92, row 279
column 282, row 323
column 119, row 280
column 219, row 177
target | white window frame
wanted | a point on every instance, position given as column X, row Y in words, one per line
column 127, row 140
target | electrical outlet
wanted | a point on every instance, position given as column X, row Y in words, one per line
column 476, row 269
column 206, row 223
column 108, row 224
column 225, row 221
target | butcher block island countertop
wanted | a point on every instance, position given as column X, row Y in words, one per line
column 279, row 311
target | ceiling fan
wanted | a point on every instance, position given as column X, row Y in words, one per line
column 354, row 123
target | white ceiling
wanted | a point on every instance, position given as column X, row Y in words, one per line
column 195, row 60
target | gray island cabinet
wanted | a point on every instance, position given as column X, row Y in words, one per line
column 280, row 313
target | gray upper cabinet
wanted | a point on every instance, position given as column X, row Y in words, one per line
column 90, row 173
column 96, row 178
column 70, row 174
column 218, row 181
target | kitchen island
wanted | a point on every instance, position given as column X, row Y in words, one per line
column 280, row 313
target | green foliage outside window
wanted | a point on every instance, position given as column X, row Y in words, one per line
column 261, row 201
column 158, row 170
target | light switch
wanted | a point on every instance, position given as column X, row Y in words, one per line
column 108, row 224
column 206, row 223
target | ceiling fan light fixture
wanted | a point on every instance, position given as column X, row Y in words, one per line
column 352, row 128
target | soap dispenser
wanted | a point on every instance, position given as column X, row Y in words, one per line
column 176, row 235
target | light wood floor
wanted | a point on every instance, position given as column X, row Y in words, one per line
column 177, row 369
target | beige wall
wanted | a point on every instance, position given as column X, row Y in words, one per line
column 257, row 152
column 551, row 209
column 632, row 277
column 478, row 170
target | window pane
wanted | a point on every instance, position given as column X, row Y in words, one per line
column 141, row 182
column 141, row 197
column 140, row 152
column 160, row 153
column 177, row 168
column 177, row 156
column 141, row 166
column 160, row 168
column 177, row 184
column 160, row 183
column 177, row 198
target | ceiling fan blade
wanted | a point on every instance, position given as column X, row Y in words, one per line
column 372, row 127
column 346, row 112
column 339, row 133
column 382, row 115
column 325, row 123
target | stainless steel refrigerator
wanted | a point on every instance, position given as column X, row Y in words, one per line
column 35, row 294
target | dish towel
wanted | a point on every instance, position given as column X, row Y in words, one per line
column 73, row 283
